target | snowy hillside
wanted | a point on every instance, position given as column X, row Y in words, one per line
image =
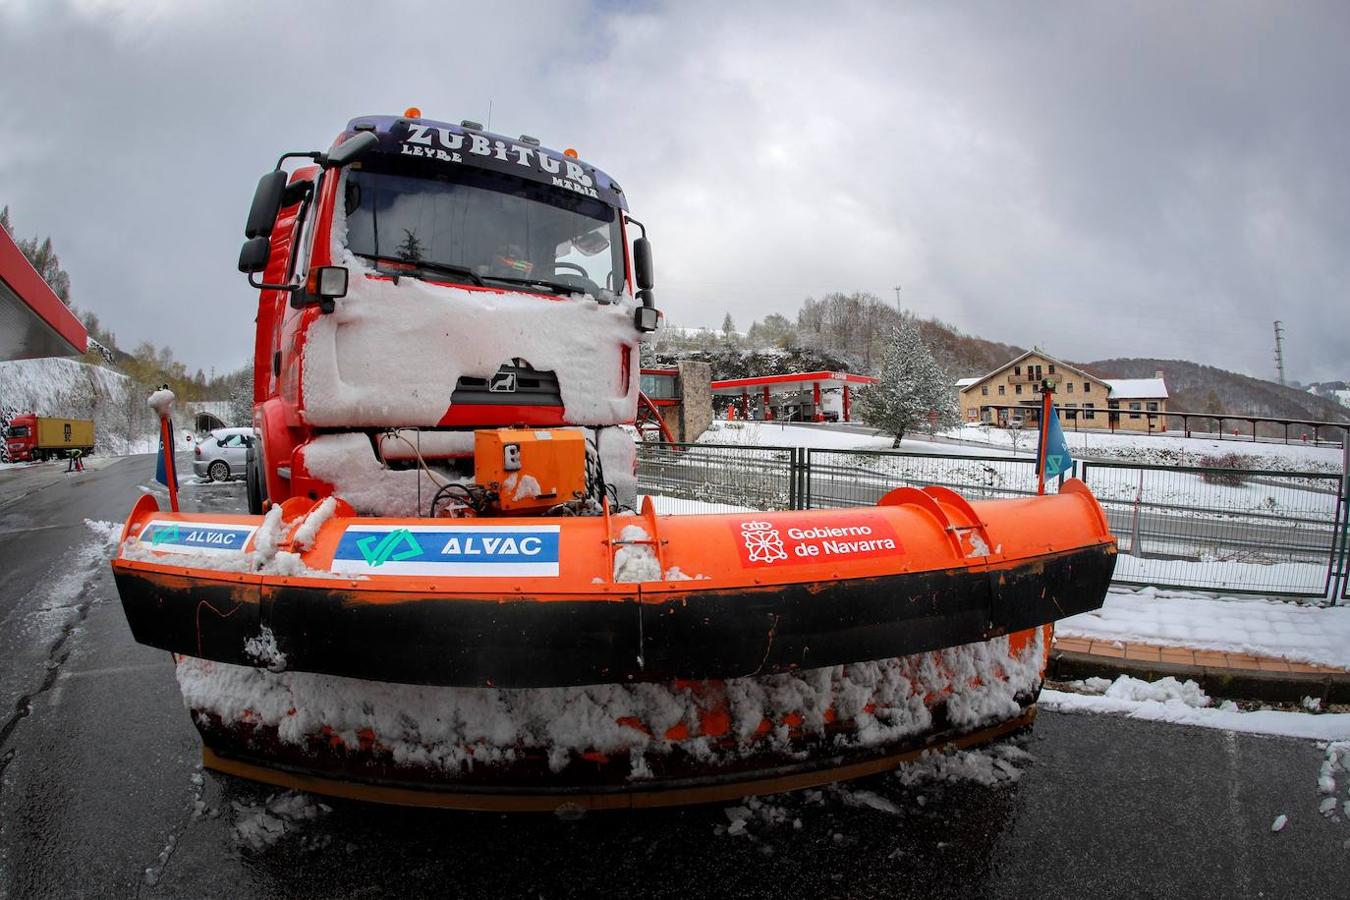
column 64, row 387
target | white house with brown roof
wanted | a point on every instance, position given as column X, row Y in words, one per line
column 1011, row 392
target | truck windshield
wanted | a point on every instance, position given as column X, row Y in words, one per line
column 495, row 226
column 18, row 431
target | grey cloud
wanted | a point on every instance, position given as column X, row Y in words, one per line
column 1103, row 179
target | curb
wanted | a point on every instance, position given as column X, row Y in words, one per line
column 1233, row 684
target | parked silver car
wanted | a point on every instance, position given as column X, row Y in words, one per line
column 221, row 455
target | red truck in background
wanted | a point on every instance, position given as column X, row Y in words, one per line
column 31, row 438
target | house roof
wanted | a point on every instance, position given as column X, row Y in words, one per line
column 1137, row 388
column 966, row 384
column 1121, row 388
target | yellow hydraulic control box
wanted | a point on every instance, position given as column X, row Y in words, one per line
column 530, row 469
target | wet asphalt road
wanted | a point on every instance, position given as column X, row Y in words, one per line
column 99, row 786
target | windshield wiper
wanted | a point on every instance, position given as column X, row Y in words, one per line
column 557, row 287
column 422, row 266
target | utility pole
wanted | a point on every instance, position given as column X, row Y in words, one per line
column 897, row 299
column 1279, row 350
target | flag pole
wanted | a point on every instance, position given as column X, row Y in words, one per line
column 161, row 401
column 170, row 466
column 1047, row 410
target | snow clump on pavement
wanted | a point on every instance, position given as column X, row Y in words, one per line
column 258, row 827
column 1164, row 690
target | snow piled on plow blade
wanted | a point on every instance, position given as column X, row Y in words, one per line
column 453, row 730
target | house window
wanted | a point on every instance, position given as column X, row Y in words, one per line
column 1135, row 406
column 1087, row 387
column 1069, row 385
column 1002, row 390
column 1152, row 406
column 1017, row 370
column 1017, row 388
column 1113, row 404
column 1052, row 368
column 1087, row 410
column 984, row 391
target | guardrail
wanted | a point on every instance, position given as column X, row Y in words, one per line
column 1213, row 529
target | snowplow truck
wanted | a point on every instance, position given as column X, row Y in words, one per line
column 422, row 281
column 445, row 593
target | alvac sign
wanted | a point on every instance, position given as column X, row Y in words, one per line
column 494, row 551
column 196, row 537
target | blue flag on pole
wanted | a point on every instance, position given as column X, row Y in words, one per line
column 1057, row 460
column 164, row 464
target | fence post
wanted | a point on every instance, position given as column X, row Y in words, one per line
column 1338, row 574
column 806, row 477
column 792, row 477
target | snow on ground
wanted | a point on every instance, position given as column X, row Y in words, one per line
column 1168, row 448
column 259, row 826
column 1256, row 626
column 821, row 437
column 899, row 794
column 1184, row 703
column 1224, row 574
column 66, row 388
column 679, row 506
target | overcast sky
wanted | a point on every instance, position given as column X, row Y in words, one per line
column 1110, row 179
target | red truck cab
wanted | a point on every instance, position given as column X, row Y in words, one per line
column 421, row 280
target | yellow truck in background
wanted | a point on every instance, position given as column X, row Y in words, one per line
column 35, row 438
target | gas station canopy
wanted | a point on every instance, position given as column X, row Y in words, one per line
column 33, row 320
column 793, row 381
column 764, row 388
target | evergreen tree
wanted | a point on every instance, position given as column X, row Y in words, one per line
column 411, row 249
column 912, row 390
column 728, row 327
column 43, row 258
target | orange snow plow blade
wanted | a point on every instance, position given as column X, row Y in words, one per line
column 607, row 656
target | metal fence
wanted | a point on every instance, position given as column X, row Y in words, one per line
column 1230, row 530
column 703, row 478
column 1213, row 529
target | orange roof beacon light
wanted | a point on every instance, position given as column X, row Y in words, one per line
column 413, row 112
column 570, row 152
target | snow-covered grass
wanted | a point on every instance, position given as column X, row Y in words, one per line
column 1217, row 574
column 1250, row 625
column 1163, row 449
column 679, row 506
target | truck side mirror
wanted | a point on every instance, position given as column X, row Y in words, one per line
column 646, row 318
column 266, row 204
column 350, row 150
column 254, row 254
column 642, row 264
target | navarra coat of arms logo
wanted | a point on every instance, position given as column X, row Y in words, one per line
column 762, row 542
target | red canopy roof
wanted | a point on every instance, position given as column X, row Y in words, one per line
column 793, row 381
column 33, row 320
